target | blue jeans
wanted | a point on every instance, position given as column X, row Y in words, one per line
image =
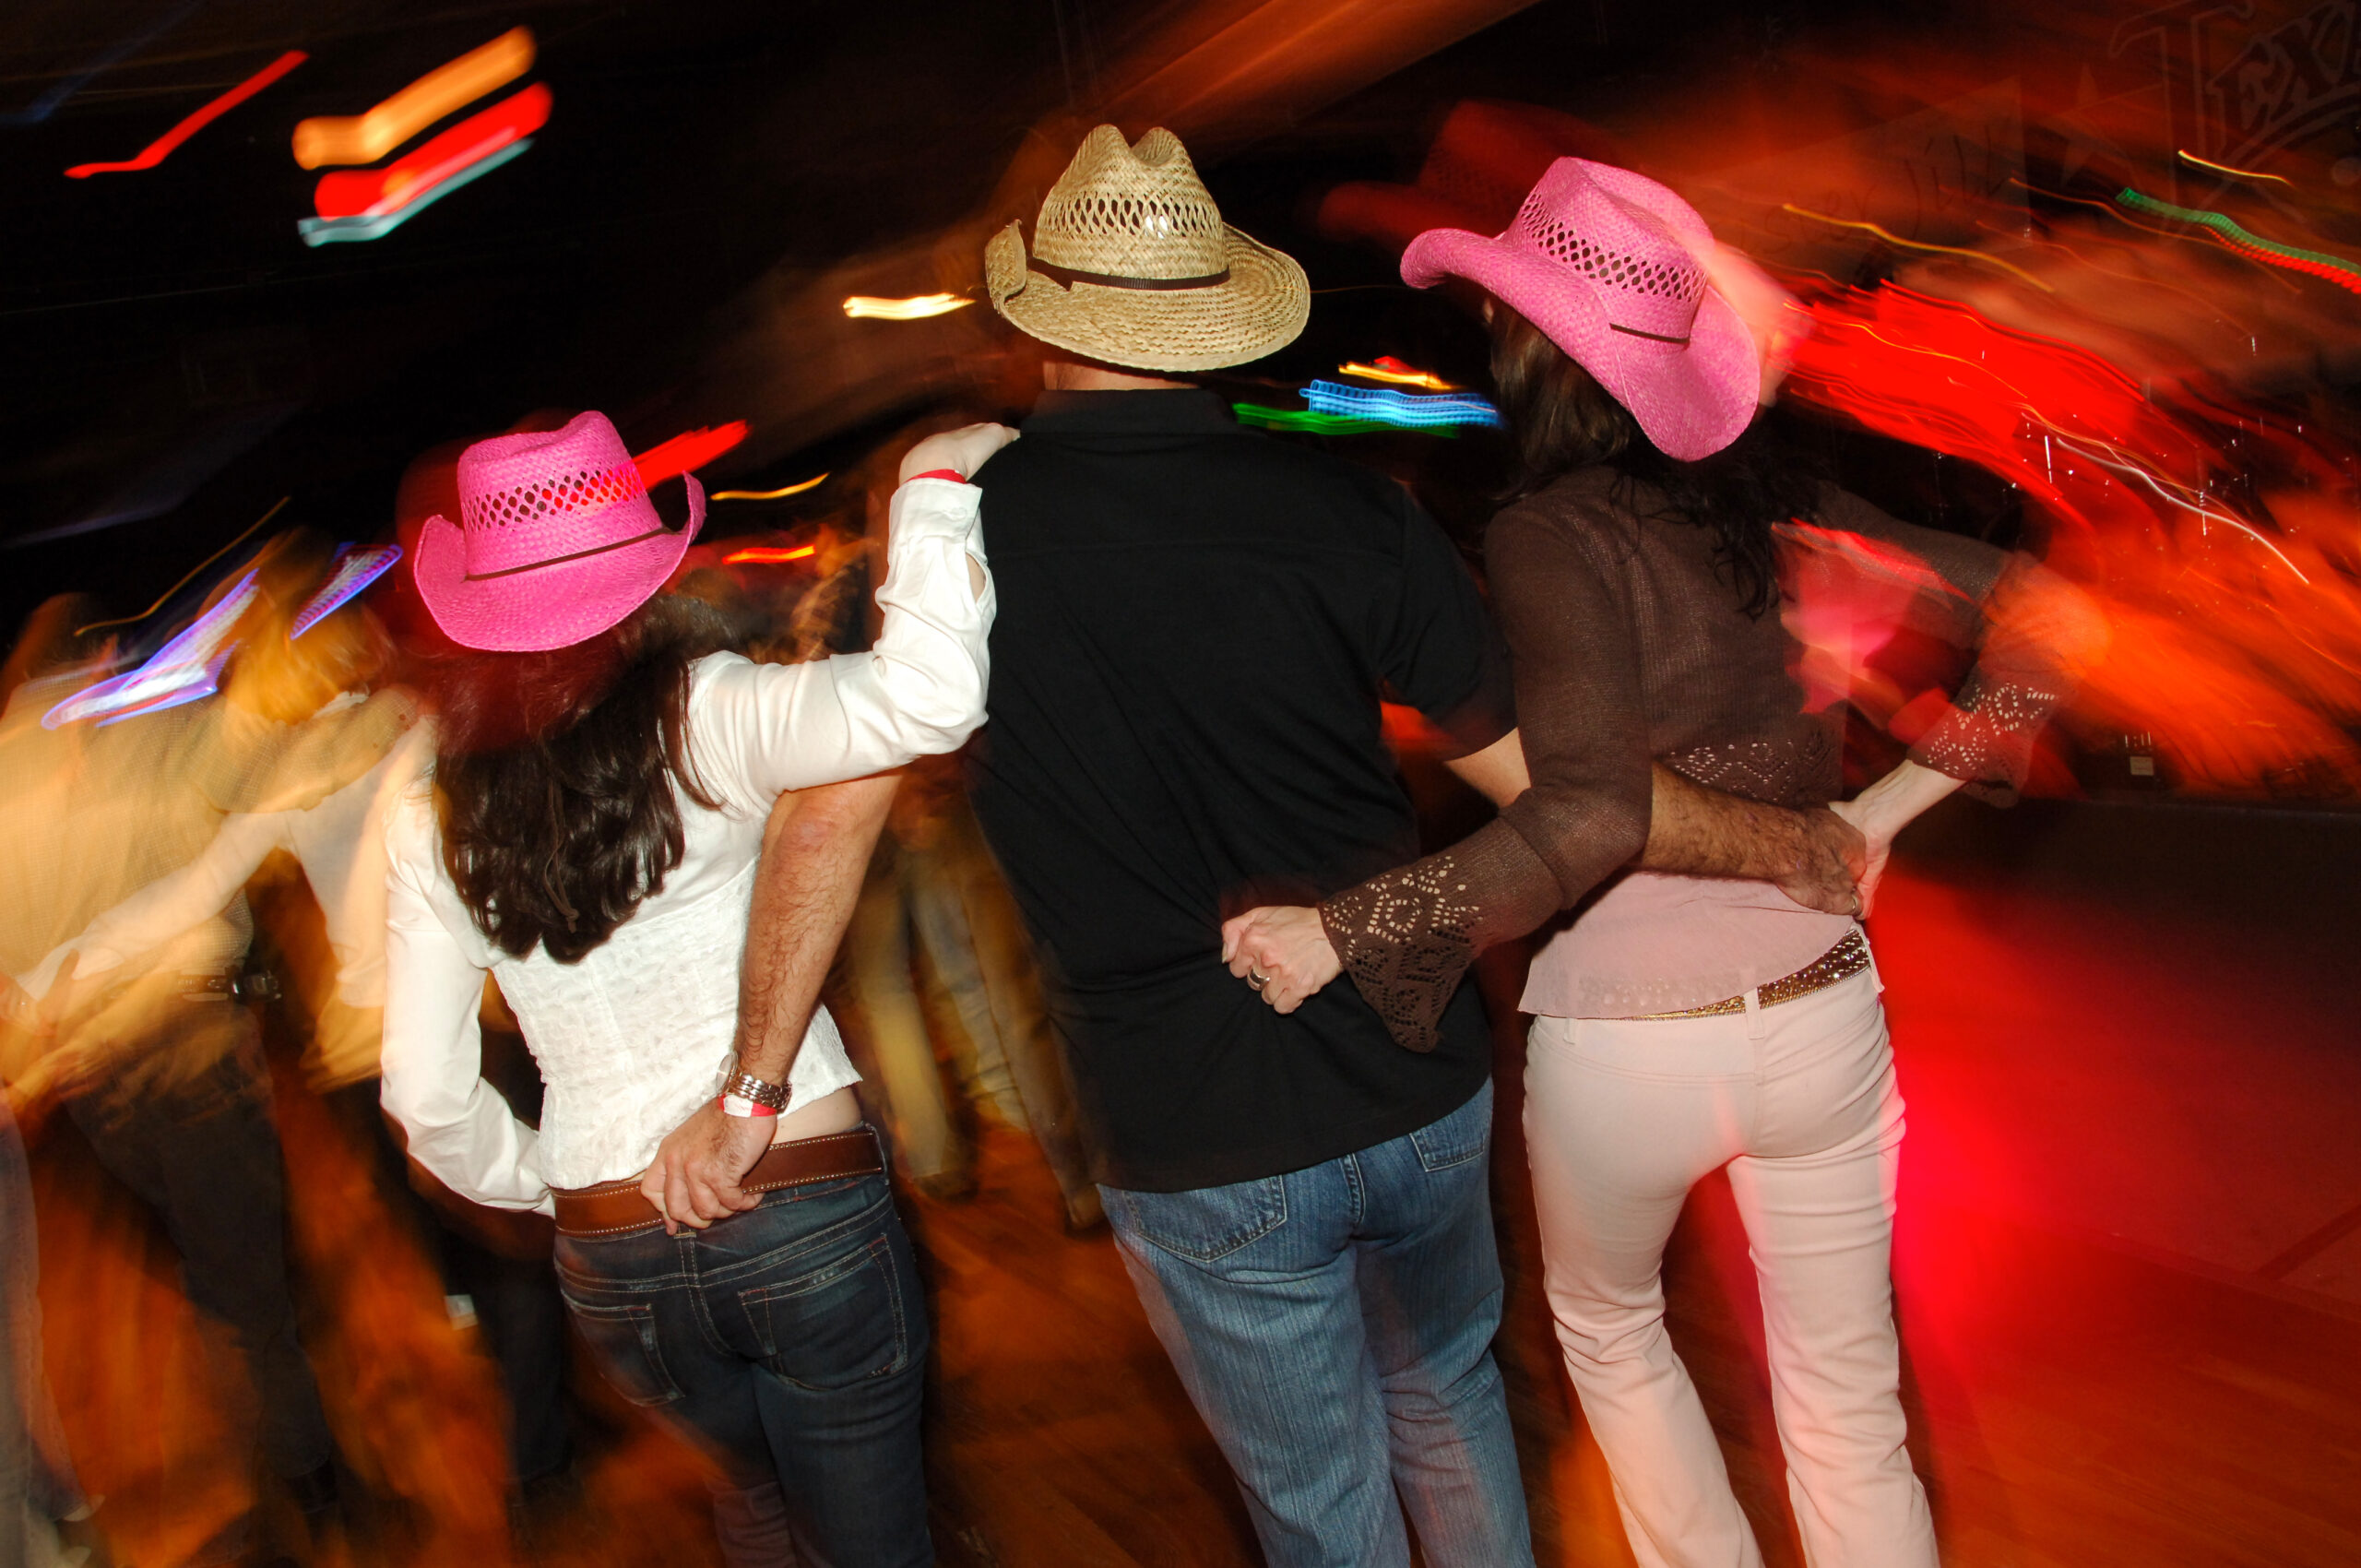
column 1333, row 1326
column 788, row 1345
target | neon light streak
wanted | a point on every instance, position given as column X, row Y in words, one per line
column 183, row 670
column 1389, row 369
column 375, row 192
column 355, row 570
column 49, row 102
column 2319, row 264
column 364, row 139
column 781, row 494
column 156, row 151
column 760, row 555
column 690, row 449
column 331, row 230
column 1318, row 423
column 1409, row 410
column 913, row 309
column 2188, row 157
column 1894, row 239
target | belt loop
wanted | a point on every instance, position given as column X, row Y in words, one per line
column 1755, row 1027
column 1879, row 979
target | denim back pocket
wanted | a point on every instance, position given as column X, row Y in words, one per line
column 845, row 1323
column 1463, row 1136
column 623, row 1340
column 1209, row 1223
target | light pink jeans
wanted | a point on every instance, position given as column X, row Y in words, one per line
column 1621, row 1117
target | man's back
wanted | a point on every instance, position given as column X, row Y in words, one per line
column 1196, row 624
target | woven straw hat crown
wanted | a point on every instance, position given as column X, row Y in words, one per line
column 1132, row 211
column 1131, row 264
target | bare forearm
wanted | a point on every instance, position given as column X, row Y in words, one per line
column 1497, row 772
column 1815, row 856
column 815, row 854
column 1700, row 832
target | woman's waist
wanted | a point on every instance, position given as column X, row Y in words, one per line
column 1655, row 943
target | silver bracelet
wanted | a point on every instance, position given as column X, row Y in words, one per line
column 747, row 1086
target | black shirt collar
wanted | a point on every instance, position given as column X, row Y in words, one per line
column 1190, row 411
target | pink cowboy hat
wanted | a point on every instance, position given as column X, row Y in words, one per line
column 1611, row 266
column 559, row 540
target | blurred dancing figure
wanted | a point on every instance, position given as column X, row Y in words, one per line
column 1687, row 1023
column 339, row 844
column 603, row 777
column 160, row 1061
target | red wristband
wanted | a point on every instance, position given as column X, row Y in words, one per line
column 753, row 1107
column 954, row 475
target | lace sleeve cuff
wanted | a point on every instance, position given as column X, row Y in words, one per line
column 1987, row 736
column 1407, row 937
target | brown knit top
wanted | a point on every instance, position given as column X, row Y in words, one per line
column 1629, row 647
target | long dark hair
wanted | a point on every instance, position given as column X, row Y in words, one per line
column 555, row 773
column 1561, row 420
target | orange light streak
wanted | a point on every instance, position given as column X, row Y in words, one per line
column 763, row 555
column 780, row 495
column 163, row 146
column 2188, row 157
column 1894, row 239
column 364, row 139
column 1394, row 372
column 916, row 308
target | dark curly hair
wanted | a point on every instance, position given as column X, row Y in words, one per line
column 1562, row 420
column 555, row 772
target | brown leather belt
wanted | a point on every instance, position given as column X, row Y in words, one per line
column 1842, row 962
column 617, row 1209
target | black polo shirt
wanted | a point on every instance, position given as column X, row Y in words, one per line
column 1196, row 625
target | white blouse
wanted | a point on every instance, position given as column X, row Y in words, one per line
column 640, row 1033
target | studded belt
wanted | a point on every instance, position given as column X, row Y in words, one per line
column 1842, row 962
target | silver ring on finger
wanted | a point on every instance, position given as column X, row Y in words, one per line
column 1257, row 979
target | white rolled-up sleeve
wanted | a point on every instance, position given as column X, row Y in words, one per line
column 759, row 730
column 457, row 1125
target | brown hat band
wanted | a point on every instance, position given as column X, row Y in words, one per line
column 1066, row 277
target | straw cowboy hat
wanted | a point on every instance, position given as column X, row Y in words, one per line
column 1616, row 270
column 1132, row 264
column 557, row 541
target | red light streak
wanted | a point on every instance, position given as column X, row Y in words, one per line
column 2245, row 664
column 156, row 151
column 691, row 449
column 762, row 555
column 373, row 192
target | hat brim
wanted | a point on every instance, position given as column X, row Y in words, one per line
column 1260, row 310
column 546, row 607
column 1691, row 399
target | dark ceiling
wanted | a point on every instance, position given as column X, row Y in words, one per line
column 177, row 359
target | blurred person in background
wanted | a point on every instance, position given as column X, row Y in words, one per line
column 44, row 1511
column 934, row 902
column 337, row 647
column 159, row 1062
column 935, row 962
column 602, row 781
column 1684, row 1022
column 1197, row 624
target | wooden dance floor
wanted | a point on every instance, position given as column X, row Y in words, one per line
column 2129, row 1269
